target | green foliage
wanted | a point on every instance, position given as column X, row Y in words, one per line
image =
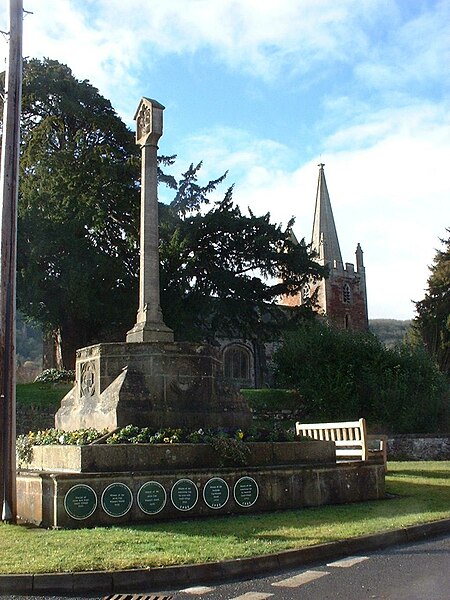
column 81, row 437
column 28, row 341
column 231, row 451
column 55, row 376
column 133, row 435
column 24, row 450
column 432, row 323
column 48, row 437
column 343, row 375
column 229, row 445
column 222, row 270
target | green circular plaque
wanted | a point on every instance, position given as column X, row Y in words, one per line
column 151, row 497
column 216, row 493
column 184, row 494
column 80, row 501
column 117, row 499
column 246, row 491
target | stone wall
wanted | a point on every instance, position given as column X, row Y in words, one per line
column 33, row 418
column 419, row 447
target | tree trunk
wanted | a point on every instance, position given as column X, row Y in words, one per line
column 52, row 353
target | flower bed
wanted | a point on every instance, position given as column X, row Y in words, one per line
column 142, row 450
column 225, row 441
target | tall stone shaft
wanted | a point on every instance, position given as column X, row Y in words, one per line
column 149, row 326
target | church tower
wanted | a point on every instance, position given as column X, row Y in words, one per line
column 342, row 297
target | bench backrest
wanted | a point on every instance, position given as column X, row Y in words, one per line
column 350, row 437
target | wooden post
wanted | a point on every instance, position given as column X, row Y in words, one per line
column 9, row 183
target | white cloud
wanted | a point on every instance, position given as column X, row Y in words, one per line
column 256, row 36
column 383, row 132
column 388, row 187
column 104, row 39
column 412, row 52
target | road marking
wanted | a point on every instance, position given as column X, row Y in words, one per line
column 197, row 590
column 252, row 596
column 301, row 579
column 348, row 562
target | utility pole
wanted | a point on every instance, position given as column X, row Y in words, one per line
column 9, row 184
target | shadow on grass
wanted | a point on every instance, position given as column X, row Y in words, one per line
column 417, row 498
column 444, row 474
column 406, row 503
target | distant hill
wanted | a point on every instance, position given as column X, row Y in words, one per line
column 389, row 331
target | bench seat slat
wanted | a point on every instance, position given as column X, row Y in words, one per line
column 348, row 452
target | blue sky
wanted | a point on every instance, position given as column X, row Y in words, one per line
column 266, row 90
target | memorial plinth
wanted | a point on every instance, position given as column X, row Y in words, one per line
column 87, row 486
column 150, row 384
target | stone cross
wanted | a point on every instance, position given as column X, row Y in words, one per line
column 150, row 326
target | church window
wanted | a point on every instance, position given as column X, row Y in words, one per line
column 346, row 294
column 237, row 362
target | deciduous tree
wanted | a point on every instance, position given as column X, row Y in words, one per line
column 344, row 375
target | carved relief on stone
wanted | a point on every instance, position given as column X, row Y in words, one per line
column 181, row 376
column 144, row 121
column 87, row 379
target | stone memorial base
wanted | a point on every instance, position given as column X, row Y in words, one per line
column 154, row 384
column 94, row 485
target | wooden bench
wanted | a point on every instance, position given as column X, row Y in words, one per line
column 350, row 437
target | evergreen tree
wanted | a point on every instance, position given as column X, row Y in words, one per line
column 433, row 312
column 78, row 208
column 222, row 270
column 78, row 231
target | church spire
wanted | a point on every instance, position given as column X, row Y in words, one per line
column 324, row 237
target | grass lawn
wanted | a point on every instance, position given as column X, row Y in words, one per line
column 420, row 493
column 41, row 394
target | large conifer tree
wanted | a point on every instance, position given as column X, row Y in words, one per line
column 78, row 231
column 433, row 312
column 78, row 208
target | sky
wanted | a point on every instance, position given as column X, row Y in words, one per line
column 266, row 90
